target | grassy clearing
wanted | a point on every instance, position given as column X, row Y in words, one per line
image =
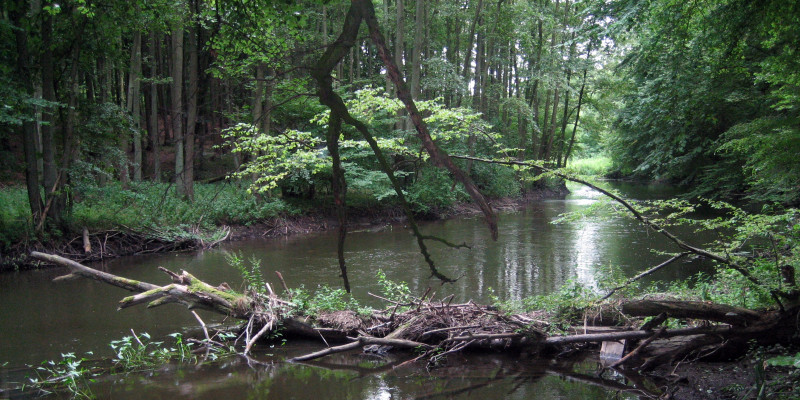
column 594, row 166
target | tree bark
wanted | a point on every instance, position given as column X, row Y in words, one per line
column 577, row 111
column 152, row 119
column 176, row 97
column 416, row 56
column 438, row 156
column 191, row 109
column 134, row 104
column 27, row 130
column 399, row 47
column 49, row 165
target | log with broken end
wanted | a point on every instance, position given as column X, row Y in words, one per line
column 185, row 289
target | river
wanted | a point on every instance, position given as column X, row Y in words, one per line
column 40, row 320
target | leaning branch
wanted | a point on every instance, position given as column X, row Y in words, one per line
column 643, row 274
column 638, row 215
column 438, row 155
column 339, row 113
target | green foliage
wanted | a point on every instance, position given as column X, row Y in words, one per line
column 394, row 291
column 251, row 272
column 496, row 180
column 324, row 299
column 145, row 206
column 594, row 166
column 565, row 305
column 15, row 216
column 568, row 303
column 433, row 190
column 70, row 374
column 293, row 154
column 297, row 162
column 133, row 353
column 151, row 204
column 785, row 361
column 715, row 99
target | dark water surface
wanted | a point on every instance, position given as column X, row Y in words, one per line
column 39, row 319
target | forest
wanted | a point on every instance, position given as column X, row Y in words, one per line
column 149, row 126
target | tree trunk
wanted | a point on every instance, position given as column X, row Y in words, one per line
column 176, row 97
column 478, row 81
column 191, row 109
column 152, row 119
column 470, row 41
column 399, row 47
column 27, row 130
column 269, row 87
column 49, row 165
column 258, row 97
column 439, row 157
column 578, row 110
column 134, row 103
column 416, row 56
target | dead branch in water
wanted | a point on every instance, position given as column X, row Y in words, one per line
column 440, row 328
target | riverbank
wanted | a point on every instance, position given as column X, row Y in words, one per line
column 111, row 235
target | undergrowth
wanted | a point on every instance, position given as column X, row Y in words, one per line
column 134, row 353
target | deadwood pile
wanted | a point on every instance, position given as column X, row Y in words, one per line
column 435, row 328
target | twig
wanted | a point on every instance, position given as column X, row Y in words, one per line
column 202, row 324
column 137, row 338
column 261, row 332
column 283, row 283
column 645, row 273
column 390, row 301
column 452, row 328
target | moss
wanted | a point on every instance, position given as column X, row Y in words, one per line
column 197, row 286
column 126, row 281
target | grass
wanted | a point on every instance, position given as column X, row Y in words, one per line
column 594, row 166
column 141, row 205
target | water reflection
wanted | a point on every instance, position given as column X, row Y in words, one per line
column 41, row 319
column 353, row 376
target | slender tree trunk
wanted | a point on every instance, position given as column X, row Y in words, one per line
column 134, row 103
column 176, row 98
column 191, row 108
column 269, row 87
column 543, row 126
column 386, row 22
column 478, row 81
column 553, row 123
column 399, row 47
column 258, row 97
column 577, row 117
column 165, row 91
column 416, row 56
column 562, row 138
column 49, row 165
column 69, row 140
column 152, row 120
column 27, row 130
column 470, row 38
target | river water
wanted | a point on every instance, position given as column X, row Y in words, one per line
column 39, row 320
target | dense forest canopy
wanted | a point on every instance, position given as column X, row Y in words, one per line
column 702, row 93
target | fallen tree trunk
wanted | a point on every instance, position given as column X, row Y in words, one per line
column 692, row 310
column 441, row 328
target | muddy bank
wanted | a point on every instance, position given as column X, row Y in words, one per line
column 96, row 245
column 746, row 378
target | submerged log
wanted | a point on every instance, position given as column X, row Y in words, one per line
column 441, row 328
